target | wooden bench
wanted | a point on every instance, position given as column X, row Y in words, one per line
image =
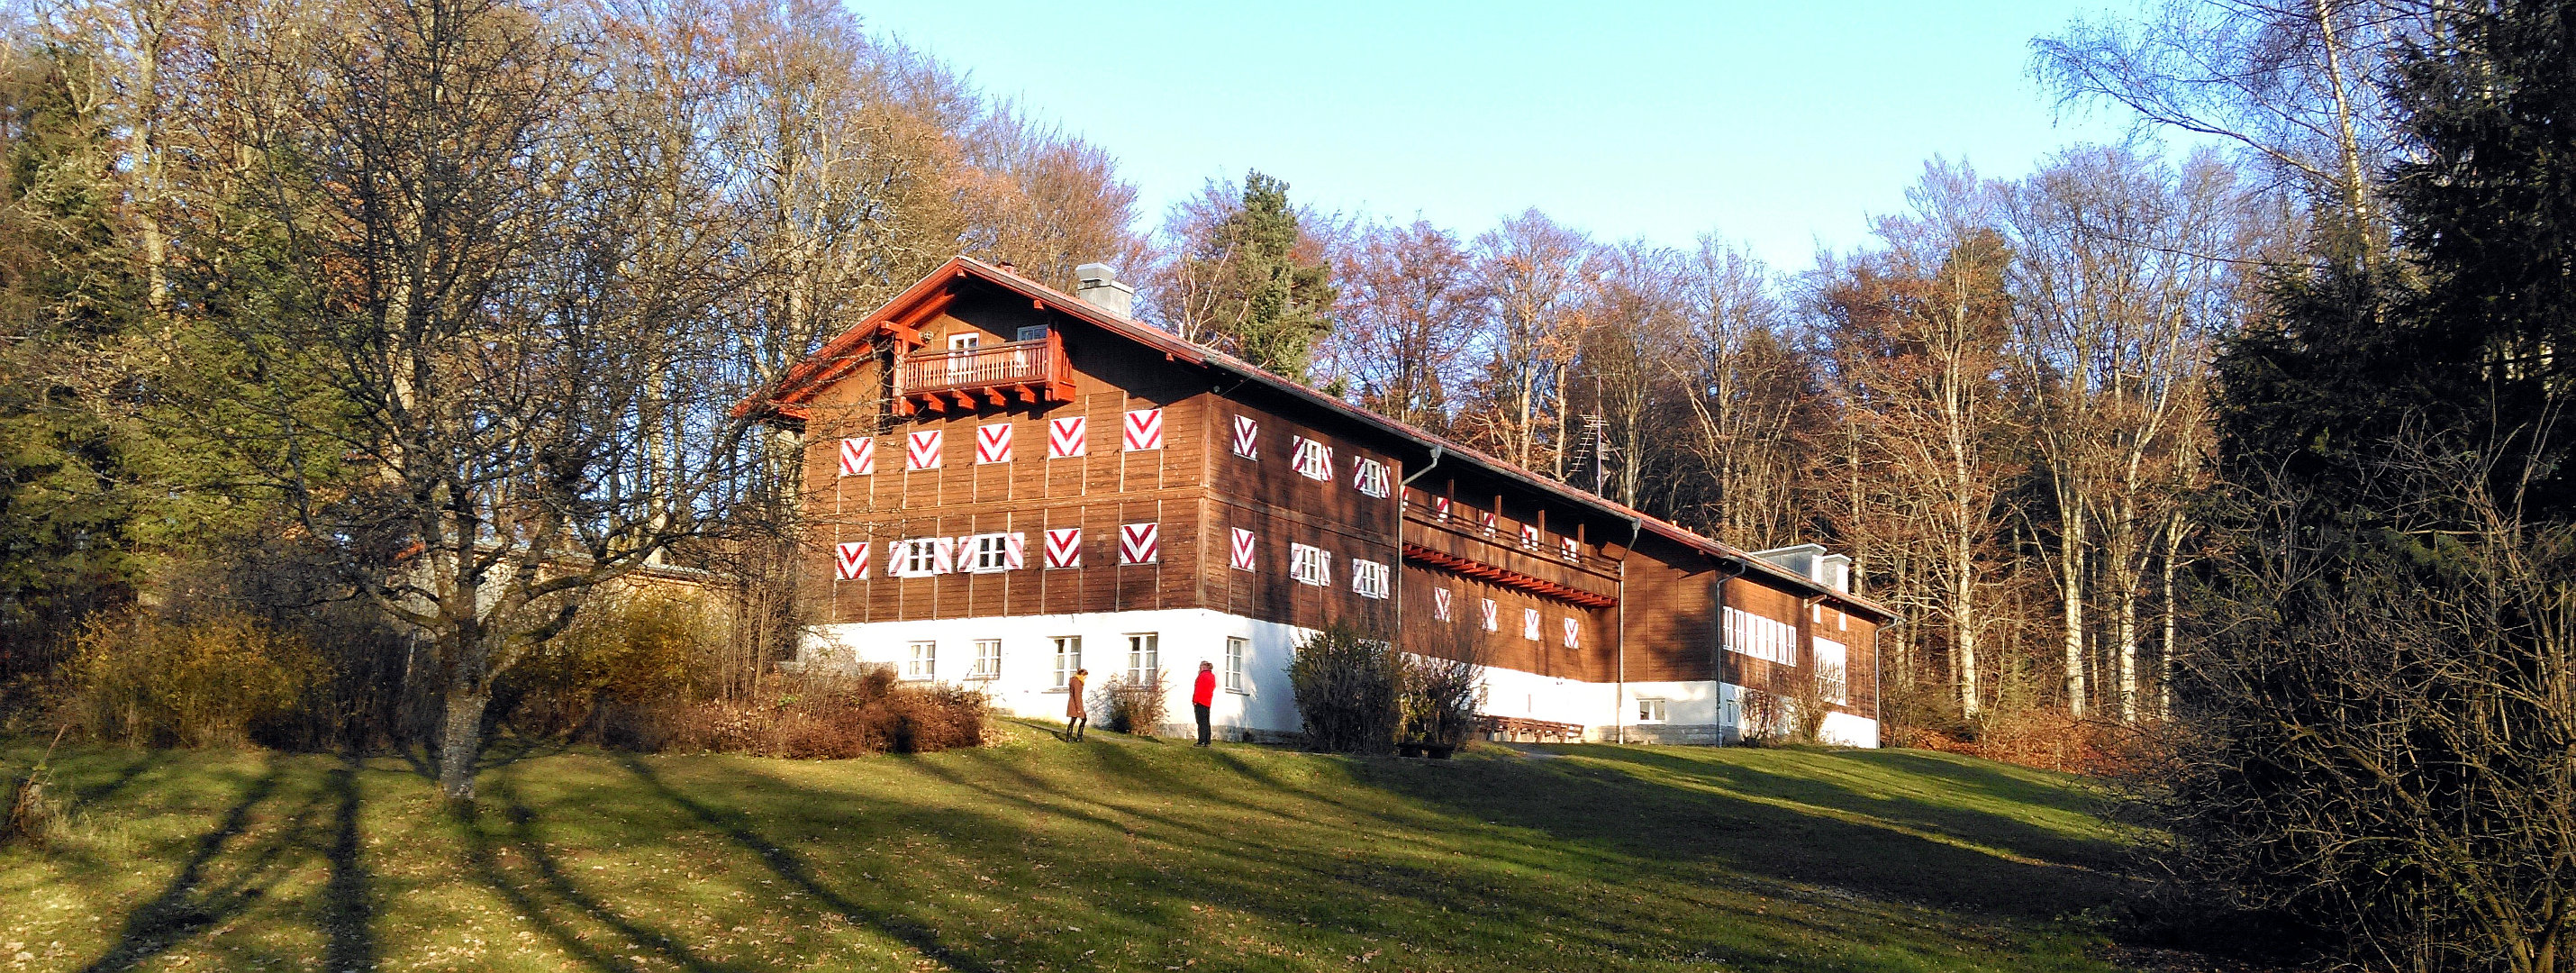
column 1513, row 729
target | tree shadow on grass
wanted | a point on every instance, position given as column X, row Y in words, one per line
column 1836, row 782
column 1889, row 859
column 788, row 866
column 553, row 887
column 348, row 895
column 195, row 900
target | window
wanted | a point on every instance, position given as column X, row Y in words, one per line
column 1310, row 565
column 1032, row 332
column 1830, row 656
column 1234, row 652
column 1761, row 638
column 924, row 663
column 1529, row 537
column 1573, row 551
column 921, row 557
column 1311, row 459
column 1493, row 617
column 1650, row 711
column 988, row 660
column 1370, row 477
column 1068, row 657
column 993, row 552
column 1144, row 656
column 1369, row 578
column 1529, row 624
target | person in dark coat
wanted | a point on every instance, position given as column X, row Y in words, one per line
column 1076, row 719
column 1202, row 696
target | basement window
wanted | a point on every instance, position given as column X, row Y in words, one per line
column 1650, row 711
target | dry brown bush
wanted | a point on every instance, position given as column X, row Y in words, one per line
column 812, row 716
column 214, row 680
column 1132, row 705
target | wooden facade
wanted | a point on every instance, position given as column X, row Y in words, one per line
column 1473, row 550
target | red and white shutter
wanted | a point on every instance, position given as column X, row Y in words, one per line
column 993, row 443
column 1488, row 518
column 1571, row 630
column 1247, row 437
column 1017, row 548
column 850, row 560
column 1139, row 543
column 1440, row 604
column 1493, row 616
column 1571, row 551
column 1529, row 536
column 1064, row 547
column 1241, row 556
column 1529, row 624
column 859, row 456
column 1440, row 508
column 921, row 450
column 1144, row 429
column 1360, row 476
column 945, row 558
column 1065, row 437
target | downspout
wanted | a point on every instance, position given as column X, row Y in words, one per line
column 1877, row 672
column 1396, row 636
column 1619, row 702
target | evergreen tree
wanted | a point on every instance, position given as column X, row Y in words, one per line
column 1270, row 293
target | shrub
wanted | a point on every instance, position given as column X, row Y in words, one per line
column 142, row 679
column 1346, row 687
column 814, row 716
column 624, row 648
column 1439, row 698
column 1132, row 705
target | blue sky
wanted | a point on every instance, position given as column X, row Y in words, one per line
column 1781, row 125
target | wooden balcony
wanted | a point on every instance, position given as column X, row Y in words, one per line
column 992, row 377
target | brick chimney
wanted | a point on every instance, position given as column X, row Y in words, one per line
column 1100, row 288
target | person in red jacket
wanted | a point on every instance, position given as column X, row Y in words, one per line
column 1202, row 696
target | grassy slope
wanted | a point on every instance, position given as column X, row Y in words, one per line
column 1035, row 854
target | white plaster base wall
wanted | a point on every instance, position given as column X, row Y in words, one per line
column 1695, row 712
column 1026, row 685
column 1846, row 730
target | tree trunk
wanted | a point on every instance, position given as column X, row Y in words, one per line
column 2070, row 586
column 460, row 741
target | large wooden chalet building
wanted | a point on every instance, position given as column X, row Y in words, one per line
column 1005, row 482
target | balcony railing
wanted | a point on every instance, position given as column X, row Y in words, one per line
column 995, row 376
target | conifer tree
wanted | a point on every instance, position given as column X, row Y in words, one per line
column 1266, row 291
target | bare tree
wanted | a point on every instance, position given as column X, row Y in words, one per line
column 1408, row 306
column 515, row 318
column 1531, row 271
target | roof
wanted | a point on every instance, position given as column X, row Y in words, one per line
column 925, row 298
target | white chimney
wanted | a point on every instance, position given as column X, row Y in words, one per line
column 1100, row 288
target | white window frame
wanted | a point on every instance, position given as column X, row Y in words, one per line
column 920, row 558
column 1831, row 671
column 1653, row 709
column 992, row 548
column 1144, row 656
column 1370, row 478
column 922, row 661
column 1068, row 657
column 1369, row 578
column 988, row 660
column 1235, row 649
column 1310, row 565
column 1311, row 459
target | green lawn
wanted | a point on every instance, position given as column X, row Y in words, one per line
column 1038, row 855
